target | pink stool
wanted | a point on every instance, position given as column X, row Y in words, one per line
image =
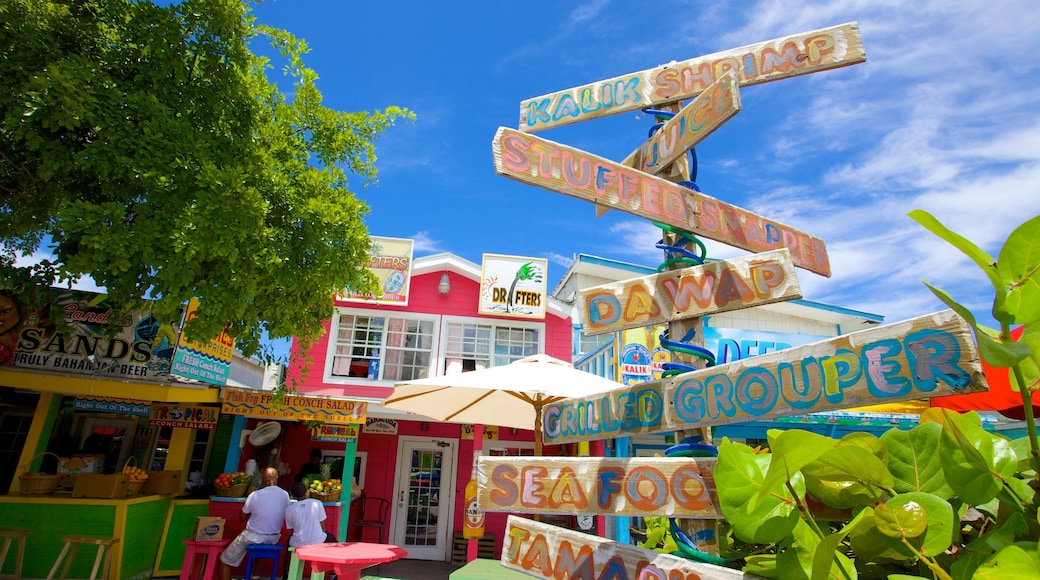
column 210, row 553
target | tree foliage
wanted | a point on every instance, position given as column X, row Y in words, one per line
column 145, row 146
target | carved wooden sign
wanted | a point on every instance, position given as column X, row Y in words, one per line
column 780, row 58
column 663, row 486
column 691, row 125
column 697, row 291
column 543, row 163
column 547, row 551
column 928, row 356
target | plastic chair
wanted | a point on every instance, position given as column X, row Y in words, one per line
column 261, row 552
column 373, row 513
column 206, row 551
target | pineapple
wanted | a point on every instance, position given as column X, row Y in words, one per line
column 325, row 470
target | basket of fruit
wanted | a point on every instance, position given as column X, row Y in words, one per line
column 39, row 483
column 231, row 484
column 325, row 488
column 135, row 477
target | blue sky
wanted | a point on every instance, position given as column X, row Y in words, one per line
column 943, row 116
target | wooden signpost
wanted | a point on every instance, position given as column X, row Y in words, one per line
column 643, row 486
column 776, row 59
column 928, row 356
column 549, row 551
column 543, row 163
column 697, row 291
column 691, row 125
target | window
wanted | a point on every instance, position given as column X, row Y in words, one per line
column 382, row 347
column 472, row 346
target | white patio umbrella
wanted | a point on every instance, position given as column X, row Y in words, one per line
column 508, row 396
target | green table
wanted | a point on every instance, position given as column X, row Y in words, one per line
column 484, row 569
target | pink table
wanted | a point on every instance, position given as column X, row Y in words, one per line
column 347, row 559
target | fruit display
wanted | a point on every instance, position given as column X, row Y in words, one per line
column 134, row 473
column 325, row 485
column 226, row 480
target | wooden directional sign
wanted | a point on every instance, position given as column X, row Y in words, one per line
column 781, row 58
column 663, row 486
column 691, row 292
column 691, row 125
column 928, row 356
column 543, row 163
column 547, row 551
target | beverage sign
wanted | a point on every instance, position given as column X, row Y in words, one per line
column 334, row 433
column 209, row 362
column 663, row 486
column 928, row 356
column 691, row 125
column 547, row 551
column 185, row 416
column 100, row 342
column 390, row 260
column 691, row 292
column 513, row 286
column 543, row 163
column 776, row 59
column 300, row 407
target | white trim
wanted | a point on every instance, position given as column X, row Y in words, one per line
column 495, row 322
column 330, row 350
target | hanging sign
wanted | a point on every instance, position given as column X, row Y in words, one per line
column 546, row 551
column 490, row 432
column 334, row 433
column 928, row 356
column 637, row 486
column 299, row 407
column 184, row 416
column 543, row 163
column 209, row 362
column 776, row 59
column 513, row 286
column 110, row 405
column 390, row 261
column 380, row 426
column 691, row 292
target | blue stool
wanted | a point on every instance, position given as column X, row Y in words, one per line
column 262, row 552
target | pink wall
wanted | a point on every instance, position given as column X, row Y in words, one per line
column 381, row 466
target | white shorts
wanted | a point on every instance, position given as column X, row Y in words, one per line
column 236, row 550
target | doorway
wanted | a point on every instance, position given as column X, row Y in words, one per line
column 425, row 497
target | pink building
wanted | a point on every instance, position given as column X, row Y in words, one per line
column 422, row 466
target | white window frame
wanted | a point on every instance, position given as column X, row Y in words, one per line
column 330, row 351
column 494, row 322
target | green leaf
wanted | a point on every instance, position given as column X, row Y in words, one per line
column 924, row 520
column 763, row 565
column 870, row 545
column 913, row 461
column 972, row 251
column 738, row 479
column 974, row 461
column 1019, row 265
column 847, row 476
column 797, row 559
column 823, row 562
column 994, row 352
column 791, row 449
column 1016, row 561
column 905, row 520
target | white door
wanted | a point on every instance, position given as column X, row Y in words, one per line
column 425, row 497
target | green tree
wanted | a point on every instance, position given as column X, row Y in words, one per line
column 145, row 146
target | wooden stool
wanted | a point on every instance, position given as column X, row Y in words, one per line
column 296, row 568
column 208, row 551
column 9, row 535
column 262, row 552
column 105, row 546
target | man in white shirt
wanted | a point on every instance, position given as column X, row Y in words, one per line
column 305, row 518
column 265, row 510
